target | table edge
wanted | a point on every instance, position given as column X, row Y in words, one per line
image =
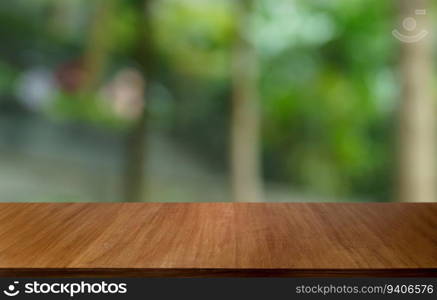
column 211, row 273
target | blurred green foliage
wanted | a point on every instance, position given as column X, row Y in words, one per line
column 327, row 85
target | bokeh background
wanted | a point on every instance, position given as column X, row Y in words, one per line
column 215, row 100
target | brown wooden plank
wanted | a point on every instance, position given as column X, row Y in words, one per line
column 218, row 239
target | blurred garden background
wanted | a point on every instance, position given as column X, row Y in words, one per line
column 215, row 100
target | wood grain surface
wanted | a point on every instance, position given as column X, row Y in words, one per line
column 218, row 239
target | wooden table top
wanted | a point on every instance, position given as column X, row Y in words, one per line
column 218, row 239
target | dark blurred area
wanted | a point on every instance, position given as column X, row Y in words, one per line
column 216, row 100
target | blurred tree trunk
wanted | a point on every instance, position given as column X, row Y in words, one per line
column 97, row 46
column 135, row 158
column 416, row 115
column 136, row 141
column 245, row 144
